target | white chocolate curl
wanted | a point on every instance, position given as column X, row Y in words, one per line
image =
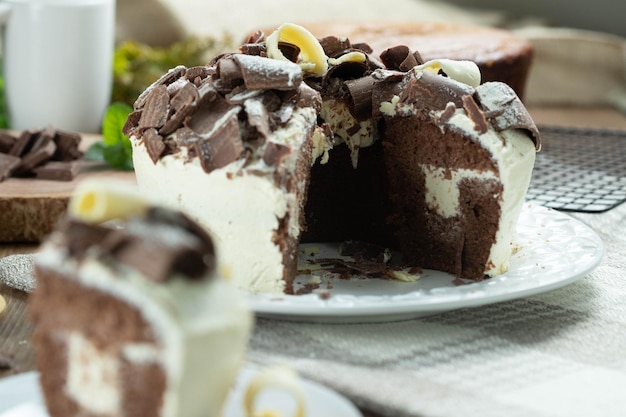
column 466, row 72
column 277, row 377
column 312, row 58
column 97, row 201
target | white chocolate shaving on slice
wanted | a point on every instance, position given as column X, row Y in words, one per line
column 354, row 56
column 97, row 201
column 405, row 276
column 312, row 57
column 277, row 377
column 466, row 72
column 3, row 304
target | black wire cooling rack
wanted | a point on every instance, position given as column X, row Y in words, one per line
column 582, row 170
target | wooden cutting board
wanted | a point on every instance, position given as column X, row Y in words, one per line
column 30, row 208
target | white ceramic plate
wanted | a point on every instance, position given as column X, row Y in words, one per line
column 553, row 250
column 20, row 397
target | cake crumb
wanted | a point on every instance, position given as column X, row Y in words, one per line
column 323, row 294
column 6, row 361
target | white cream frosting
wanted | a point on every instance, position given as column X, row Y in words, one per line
column 241, row 210
column 202, row 330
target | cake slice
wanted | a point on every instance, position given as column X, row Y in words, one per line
column 131, row 317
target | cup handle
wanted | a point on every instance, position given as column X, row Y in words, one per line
column 5, row 11
column 278, row 376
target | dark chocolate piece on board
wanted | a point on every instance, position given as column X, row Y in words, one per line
column 57, row 171
column 6, row 141
column 8, row 163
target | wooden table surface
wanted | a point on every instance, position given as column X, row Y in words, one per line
column 15, row 328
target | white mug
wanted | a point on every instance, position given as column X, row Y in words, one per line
column 58, row 62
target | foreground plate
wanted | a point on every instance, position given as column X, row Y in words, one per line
column 20, row 397
column 552, row 250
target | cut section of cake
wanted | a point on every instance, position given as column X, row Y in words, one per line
column 131, row 317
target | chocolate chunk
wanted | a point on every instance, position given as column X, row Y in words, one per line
column 257, row 116
column 21, row 144
column 80, row 236
column 8, row 163
column 57, row 171
column 223, row 147
column 41, row 138
column 475, row 115
column 268, row 74
column 154, row 144
column 35, row 158
column 447, row 114
column 6, row 141
column 257, row 49
column 274, row 153
column 334, row 46
column 362, row 46
column 156, row 109
column 507, row 110
column 67, row 146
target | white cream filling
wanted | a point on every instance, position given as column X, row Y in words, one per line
column 241, row 210
column 202, row 329
column 339, row 118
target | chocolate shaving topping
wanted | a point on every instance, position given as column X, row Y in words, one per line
column 222, row 147
column 229, row 72
column 433, row 92
column 506, row 109
column 257, row 116
column 210, row 110
column 447, row 114
column 289, row 50
column 161, row 245
column 475, row 114
column 362, row 46
column 166, row 79
column 274, row 153
column 334, row 46
column 400, row 58
column 268, row 74
column 360, row 91
column 154, row 144
column 156, row 109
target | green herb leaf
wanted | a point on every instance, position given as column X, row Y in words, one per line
column 115, row 148
column 114, row 120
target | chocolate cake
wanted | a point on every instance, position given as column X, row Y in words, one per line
column 500, row 54
column 424, row 158
column 130, row 315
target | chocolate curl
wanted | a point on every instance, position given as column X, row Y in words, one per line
column 360, row 91
column 433, row 92
column 506, row 110
column 268, row 74
column 400, row 58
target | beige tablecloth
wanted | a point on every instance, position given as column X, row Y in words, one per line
column 558, row 354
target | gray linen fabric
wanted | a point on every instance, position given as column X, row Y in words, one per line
column 557, row 354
